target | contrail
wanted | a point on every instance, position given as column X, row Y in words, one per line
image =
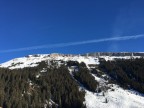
column 122, row 38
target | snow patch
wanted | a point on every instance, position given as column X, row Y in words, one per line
column 119, row 98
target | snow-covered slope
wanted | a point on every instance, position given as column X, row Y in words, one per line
column 33, row 60
column 29, row 61
column 119, row 98
column 119, row 57
column 115, row 97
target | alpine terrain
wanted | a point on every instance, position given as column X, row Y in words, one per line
column 92, row 80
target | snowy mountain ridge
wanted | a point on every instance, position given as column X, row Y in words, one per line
column 33, row 60
column 114, row 97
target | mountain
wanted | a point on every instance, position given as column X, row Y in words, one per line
column 118, row 54
column 89, row 58
column 92, row 80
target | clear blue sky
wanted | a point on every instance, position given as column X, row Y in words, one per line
column 26, row 23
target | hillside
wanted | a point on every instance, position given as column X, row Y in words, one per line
column 68, row 81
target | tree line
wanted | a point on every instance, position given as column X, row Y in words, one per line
column 127, row 73
column 21, row 88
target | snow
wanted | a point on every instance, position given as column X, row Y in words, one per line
column 37, row 76
column 23, row 62
column 101, row 81
column 51, row 102
column 33, row 60
column 110, row 58
column 119, row 98
column 116, row 97
column 44, row 70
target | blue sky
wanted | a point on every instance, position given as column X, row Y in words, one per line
column 31, row 23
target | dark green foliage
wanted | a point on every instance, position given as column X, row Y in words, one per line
column 82, row 65
column 85, row 78
column 20, row 88
column 72, row 63
column 63, row 89
column 127, row 73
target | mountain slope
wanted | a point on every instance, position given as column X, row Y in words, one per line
column 33, row 60
column 46, row 66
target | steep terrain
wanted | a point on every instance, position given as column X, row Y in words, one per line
column 98, row 86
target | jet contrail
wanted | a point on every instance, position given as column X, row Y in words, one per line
column 122, row 38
